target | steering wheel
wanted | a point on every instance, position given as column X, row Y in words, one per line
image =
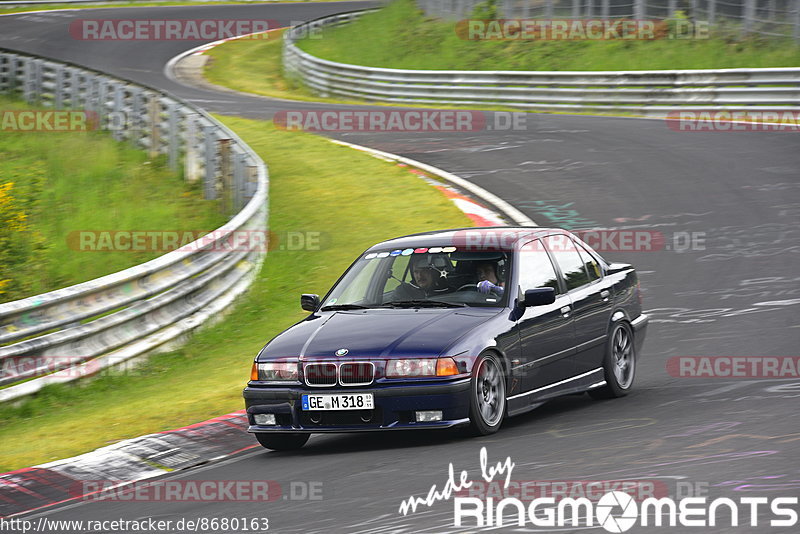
column 468, row 287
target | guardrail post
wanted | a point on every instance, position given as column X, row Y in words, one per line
column 639, row 10
column 25, row 79
column 39, row 87
column 102, row 101
column 605, row 10
column 589, row 9
column 19, row 73
column 671, row 9
column 712, row 11
column 75, row 87
column 226, row 176
column 238, row 181
column 210, row 163
column 58, row 96
column 173, row 133
column 32, row 87
column 508, row 9
column 191, row 167
column 252, row 182
column 11, row 73
column 797, row 21
column 548, row 9
column 136, row 116
column 4, row 76
column 154, row 118
column 118, row 110
column 749, row 13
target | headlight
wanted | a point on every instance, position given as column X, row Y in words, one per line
column 275, row 371
column 421, row 367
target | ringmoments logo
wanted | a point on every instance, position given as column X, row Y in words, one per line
column 615, row 511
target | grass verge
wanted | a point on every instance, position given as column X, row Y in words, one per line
column 353, row 199
column 400, row 36
column 255, row 66
column 56, row 184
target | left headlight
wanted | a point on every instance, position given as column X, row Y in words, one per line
column 274, row 371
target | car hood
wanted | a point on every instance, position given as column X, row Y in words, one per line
column 377, row 333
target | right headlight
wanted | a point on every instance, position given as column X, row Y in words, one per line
column 275, row 371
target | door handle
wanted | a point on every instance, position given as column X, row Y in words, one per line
column 604, row 294
column 565, row 311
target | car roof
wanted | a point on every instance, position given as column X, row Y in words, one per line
column 486, row 235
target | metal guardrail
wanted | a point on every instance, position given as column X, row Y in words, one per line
column 642, row 92
column 106, row 321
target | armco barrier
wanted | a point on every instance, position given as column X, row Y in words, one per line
column 109, row 320
column 651, row 93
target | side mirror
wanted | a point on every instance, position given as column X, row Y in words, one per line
column 539, row 296
column 309, row 302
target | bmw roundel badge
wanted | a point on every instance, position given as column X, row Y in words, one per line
column 342, row 352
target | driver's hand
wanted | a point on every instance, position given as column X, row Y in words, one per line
column 486, row 286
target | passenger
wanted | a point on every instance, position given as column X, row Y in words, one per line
column 488, row 279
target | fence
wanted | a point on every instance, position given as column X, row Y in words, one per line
column 652, row 93
column 765, row 17
column 81, row 329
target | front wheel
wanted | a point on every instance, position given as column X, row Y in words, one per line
column 619, row 364
column 282, row 442
column 487, row 395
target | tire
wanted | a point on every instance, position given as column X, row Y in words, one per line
column 487, row 403
column 282, row 442
column 619, row 378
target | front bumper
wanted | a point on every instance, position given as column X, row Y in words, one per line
column 394, row 407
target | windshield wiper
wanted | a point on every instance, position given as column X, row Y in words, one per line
column 424, row 303
column 333, row 307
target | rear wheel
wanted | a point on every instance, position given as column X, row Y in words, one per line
column 619, row 365
column 282, row 442
column 487, row 395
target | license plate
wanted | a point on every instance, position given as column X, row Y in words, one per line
column 354, row 401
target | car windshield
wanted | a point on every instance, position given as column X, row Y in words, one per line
column 422, row 277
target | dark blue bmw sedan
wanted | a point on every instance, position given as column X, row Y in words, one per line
column 450, row 328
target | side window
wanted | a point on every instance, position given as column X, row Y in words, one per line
column 535, row 267
column 592, row 268
column 568, row 259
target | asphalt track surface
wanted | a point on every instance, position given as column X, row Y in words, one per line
column 740, row 296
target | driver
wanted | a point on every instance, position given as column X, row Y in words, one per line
column 488, row 279
column 425, row 280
